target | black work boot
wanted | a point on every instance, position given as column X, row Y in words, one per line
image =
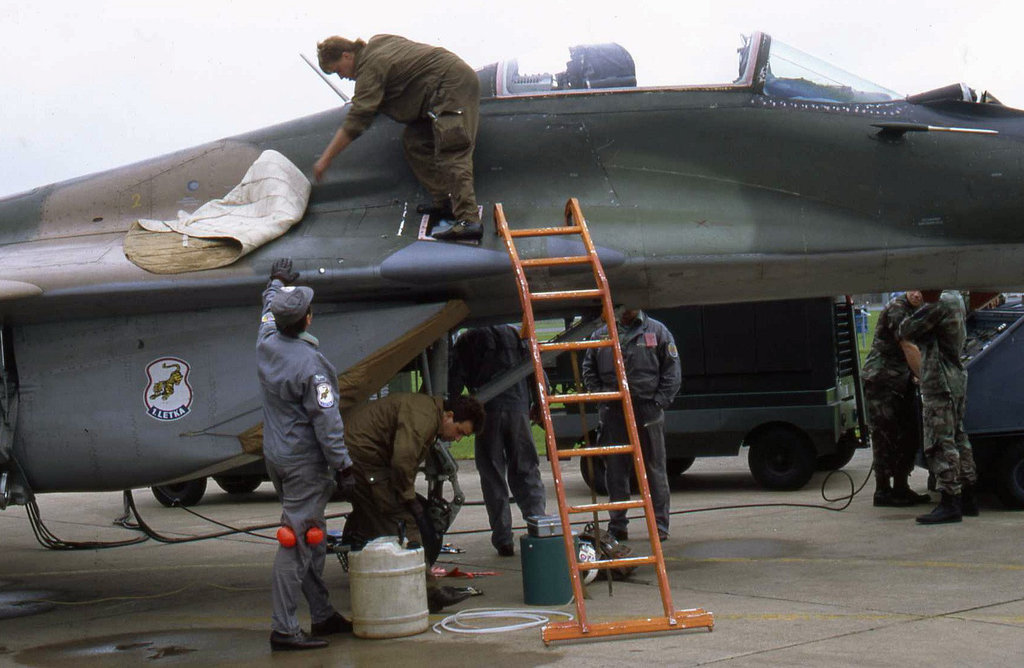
column 439, row 210
column 969, row 501
column 299, row 641
column 460, row 230
column 336, row 623
column 948, row 511
column 883, row 491
column 902, row 495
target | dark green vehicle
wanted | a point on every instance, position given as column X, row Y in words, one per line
column 777, row 377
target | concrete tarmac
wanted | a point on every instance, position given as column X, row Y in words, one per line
column 789, row 585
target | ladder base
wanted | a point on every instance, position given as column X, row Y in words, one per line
column 684, row 619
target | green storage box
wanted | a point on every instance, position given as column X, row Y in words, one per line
column 545, row 571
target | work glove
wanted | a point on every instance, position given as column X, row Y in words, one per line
column 346, row 481
column 282, row 271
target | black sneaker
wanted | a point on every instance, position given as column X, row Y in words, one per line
column 280, row 642
column 333, row 624
column 619, row 534
column 461, row 230
column 506, row 550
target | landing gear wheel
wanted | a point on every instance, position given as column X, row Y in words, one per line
column 238, row 485
column 187, row 493
column 781, row 458
column 1009, row 476
column 678, row 466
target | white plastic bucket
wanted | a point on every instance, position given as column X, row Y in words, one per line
column 389, row 590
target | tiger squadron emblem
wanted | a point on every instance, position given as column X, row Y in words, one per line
column 168, row 394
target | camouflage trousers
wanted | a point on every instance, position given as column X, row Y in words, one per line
column 895, row 435
column 946, row 447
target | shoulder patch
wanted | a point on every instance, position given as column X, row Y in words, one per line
column 267, row 317
column 319, row 378
column 673, row 352
column 324, row 395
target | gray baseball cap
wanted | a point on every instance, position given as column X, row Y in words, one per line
column 290, row 304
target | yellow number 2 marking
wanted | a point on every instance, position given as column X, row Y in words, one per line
column 136, row 200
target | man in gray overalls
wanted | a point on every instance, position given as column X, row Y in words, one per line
column 304, row 444
column 654, row 375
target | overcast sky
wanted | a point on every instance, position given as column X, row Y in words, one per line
column 87, row 86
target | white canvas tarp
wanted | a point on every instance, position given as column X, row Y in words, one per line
column 271, row 197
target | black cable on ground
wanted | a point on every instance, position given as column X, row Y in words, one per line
column 49, row 540
column 251, row 530
column 848, row 498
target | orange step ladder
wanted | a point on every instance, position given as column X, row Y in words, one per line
column 581, row 627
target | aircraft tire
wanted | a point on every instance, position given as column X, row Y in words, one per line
column 238, row 484
column 781, row 457
column 187, row 493
column 1009, row 476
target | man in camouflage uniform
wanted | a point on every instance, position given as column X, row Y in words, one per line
column 889, row 399
column 939, row 330
column 436, row 95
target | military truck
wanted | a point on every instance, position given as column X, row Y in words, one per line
column 994, row 356
column 777, row 377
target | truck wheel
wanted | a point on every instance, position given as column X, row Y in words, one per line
column 1009, row 476
column 238, row 484
column 678, row 466
column 781, row 458
column 186, row 493
column 597, row 484
column 846, row 447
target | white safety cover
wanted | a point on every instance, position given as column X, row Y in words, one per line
column 271, row 197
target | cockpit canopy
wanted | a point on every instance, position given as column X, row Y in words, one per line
column 766, row 67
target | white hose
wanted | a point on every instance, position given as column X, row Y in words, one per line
column 456, row 623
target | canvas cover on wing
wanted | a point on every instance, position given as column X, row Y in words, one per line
column 271, row 197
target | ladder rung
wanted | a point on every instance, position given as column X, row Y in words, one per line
column 614, row 563
column 610, row 505
column 575, row 345
column 583, row 397
column 598, row 451
column 566, row 294
column 545, row 231
column 556, row 261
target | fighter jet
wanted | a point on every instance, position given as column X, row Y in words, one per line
column 794, row 180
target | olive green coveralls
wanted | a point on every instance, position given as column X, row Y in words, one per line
column 437, row 96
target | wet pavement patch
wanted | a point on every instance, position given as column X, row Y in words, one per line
column 187, row 646
column 27, row 602
column 242, row 647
